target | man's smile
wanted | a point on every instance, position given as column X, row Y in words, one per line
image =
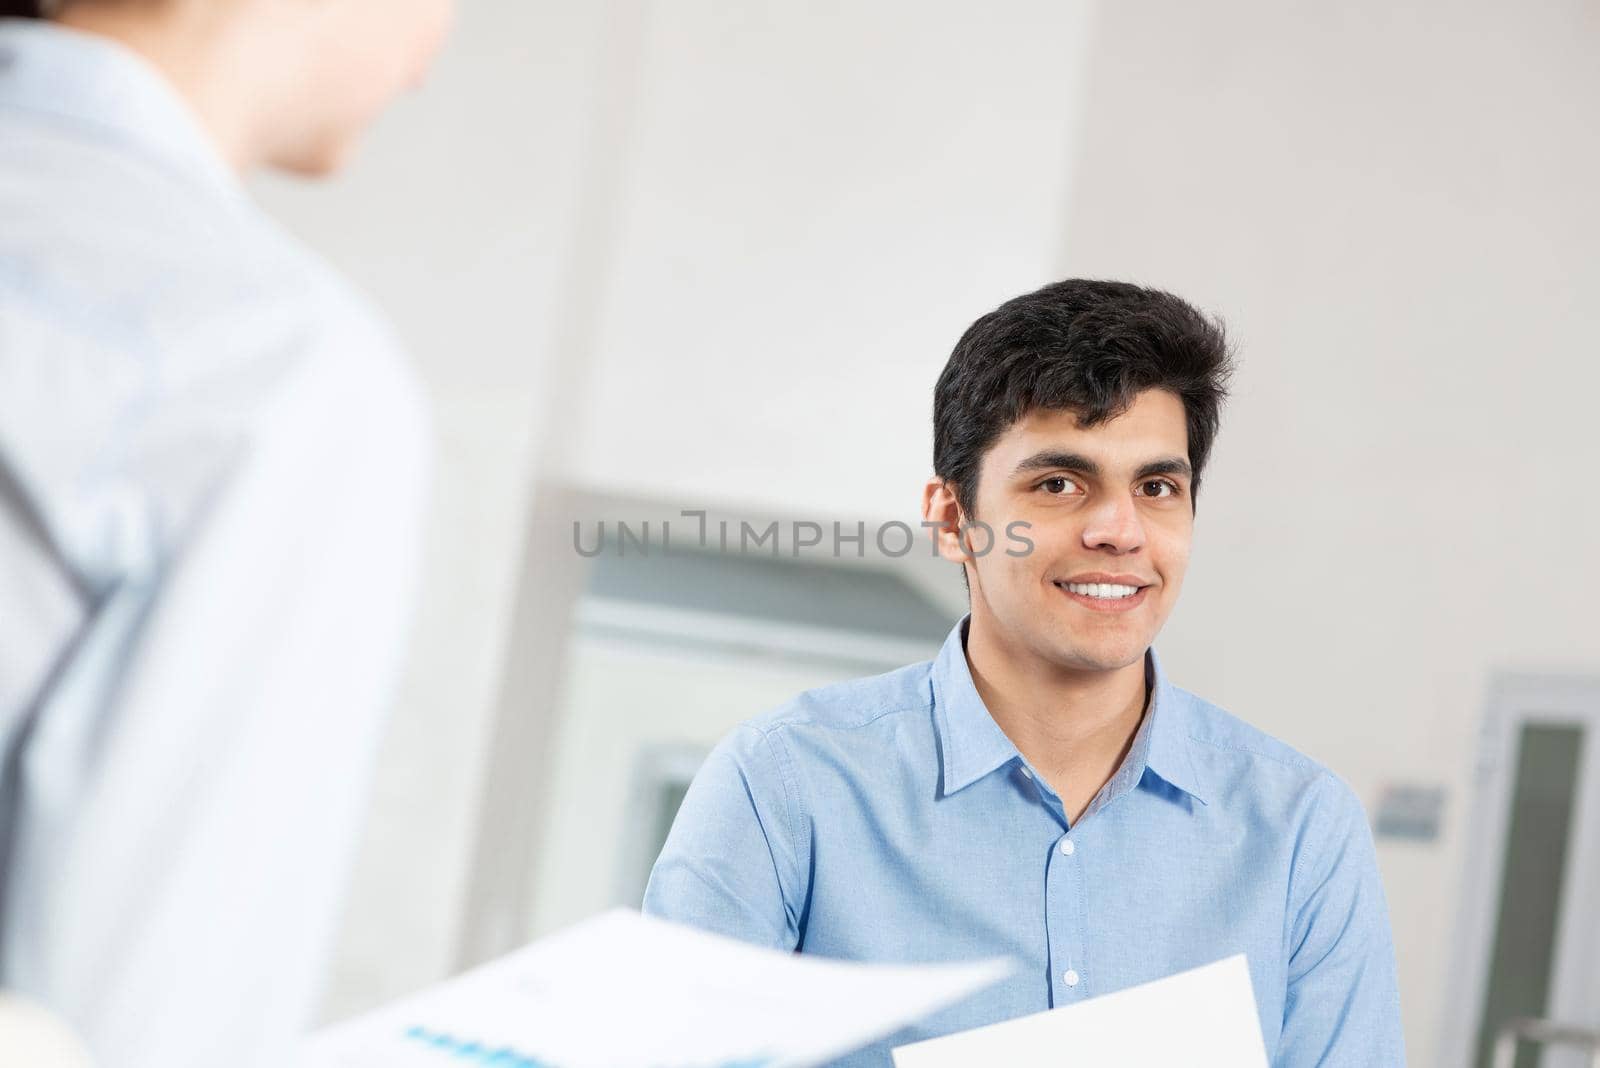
column 1100, row 592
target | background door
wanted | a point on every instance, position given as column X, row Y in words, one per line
column 1530, row 937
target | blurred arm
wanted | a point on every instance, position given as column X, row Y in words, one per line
column 188, row 803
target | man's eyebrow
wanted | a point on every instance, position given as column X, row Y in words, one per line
column 1172, row 465
column 1050, row 459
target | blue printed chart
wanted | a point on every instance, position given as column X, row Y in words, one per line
column 465, row 1051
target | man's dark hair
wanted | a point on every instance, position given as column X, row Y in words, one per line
column 1089, row 347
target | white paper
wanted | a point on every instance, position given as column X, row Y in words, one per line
column 1202, row 1018
column 623, row 990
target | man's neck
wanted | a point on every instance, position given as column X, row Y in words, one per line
column 1074, row 727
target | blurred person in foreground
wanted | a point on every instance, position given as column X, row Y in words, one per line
column 1040, row 789
column 212, row 473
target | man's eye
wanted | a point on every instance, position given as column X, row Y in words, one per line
column 1161, row 484
column 1057, row 486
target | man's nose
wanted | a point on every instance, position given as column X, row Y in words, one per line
column 1114, row 524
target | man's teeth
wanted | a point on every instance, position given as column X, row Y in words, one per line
column 1109, row 591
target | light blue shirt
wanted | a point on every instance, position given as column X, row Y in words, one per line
column 890, row 819
column 213, row 463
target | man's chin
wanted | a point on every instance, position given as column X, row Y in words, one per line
column 1101, row 656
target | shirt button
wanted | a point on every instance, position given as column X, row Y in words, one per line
column 1026, row 774
column 1070, row 978
column 1067, row 847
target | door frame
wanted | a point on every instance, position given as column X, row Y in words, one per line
column 1515, row 700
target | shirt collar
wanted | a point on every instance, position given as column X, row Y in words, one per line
column 970, row 741
column 108, row 90
column 972, row 744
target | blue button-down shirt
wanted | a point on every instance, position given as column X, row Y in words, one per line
column 890, row 819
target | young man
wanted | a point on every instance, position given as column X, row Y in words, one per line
column 212, row 467
column 1040, row 789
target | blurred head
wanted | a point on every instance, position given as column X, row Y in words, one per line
column 1071, row 429
column 285, row 84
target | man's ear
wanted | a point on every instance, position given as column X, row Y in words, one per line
column 939, row 507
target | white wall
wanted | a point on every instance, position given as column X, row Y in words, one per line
column 814, row 201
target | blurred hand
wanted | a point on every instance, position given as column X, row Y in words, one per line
column 32, row 1036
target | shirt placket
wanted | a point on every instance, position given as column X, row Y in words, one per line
column 1064, row 903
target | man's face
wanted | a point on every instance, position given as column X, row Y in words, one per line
column 1108, row 505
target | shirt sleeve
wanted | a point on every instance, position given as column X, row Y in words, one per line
column 1343, row 1003
column 730, row 863
column 188, row 802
